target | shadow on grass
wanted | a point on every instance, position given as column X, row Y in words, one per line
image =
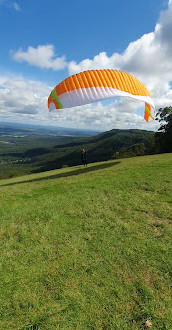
column 79, row 171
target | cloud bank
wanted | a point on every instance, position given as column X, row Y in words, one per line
column 23, row 100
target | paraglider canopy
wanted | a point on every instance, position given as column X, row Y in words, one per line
column 95, row 85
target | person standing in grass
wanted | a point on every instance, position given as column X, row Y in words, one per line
column 84, row 157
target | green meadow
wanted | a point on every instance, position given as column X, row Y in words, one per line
column 88, row 248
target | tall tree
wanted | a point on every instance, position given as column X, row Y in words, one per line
column 163, row 137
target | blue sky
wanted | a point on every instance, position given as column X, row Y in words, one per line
column 45, row 41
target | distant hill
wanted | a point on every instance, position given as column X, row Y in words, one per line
column 99, row 148
column 20, row 128
column 27, row 150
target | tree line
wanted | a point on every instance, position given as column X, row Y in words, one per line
column 160, row 143
column 163, row 138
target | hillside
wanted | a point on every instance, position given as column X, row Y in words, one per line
column 87, row 248
column 21, row 145
column 40, row 150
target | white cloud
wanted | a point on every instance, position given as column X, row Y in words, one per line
column 10, row 4
column 119, row 114
column 43, row 56
column 23, row 100
column 16, row 6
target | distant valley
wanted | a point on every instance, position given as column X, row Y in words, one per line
column 26, row 149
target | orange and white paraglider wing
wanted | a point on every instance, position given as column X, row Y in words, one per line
column 95, row 85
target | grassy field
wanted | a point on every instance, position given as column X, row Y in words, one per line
column 88, row 248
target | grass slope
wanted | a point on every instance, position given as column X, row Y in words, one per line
column 87, row 248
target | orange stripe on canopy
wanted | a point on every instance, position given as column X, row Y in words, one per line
column 103, row 78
